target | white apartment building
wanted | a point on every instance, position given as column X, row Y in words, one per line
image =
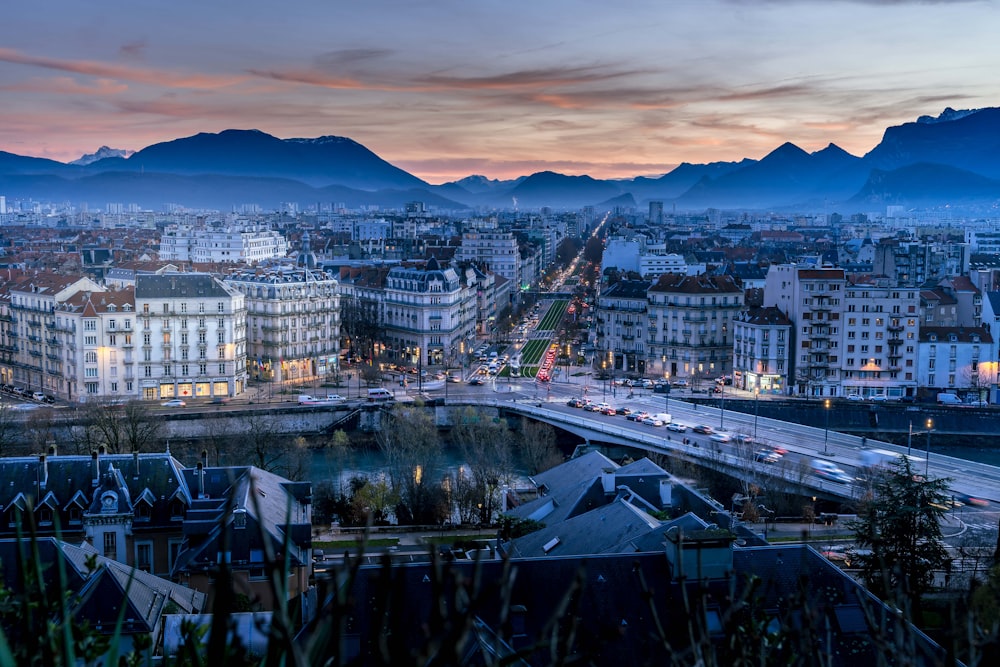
column 97, row 331
column 293, row 323
column 429, row 315
column 622, row 322
column 878, row 350
column 957, row 360
column 493, row 251
column 761, row 347
column 654, row 264
column 192, row 336
column 248, row 245
column 812, row 299
column 39, row 344
column 691, row 324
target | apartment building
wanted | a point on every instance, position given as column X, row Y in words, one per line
column 957, row 360
column 242, row 245
column 691, row 324
column 622, row 321
column 293, row 322
column 40, row 341
column 761, row 348
column 492, row 250
column 192, row 336
column 813, row 300
column 877, row 353
column 428, row 313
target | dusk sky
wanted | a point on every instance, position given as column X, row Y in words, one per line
column 448, row 88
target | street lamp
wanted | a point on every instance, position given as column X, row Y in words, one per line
column 927, row 461
column 826, row 437
column 722, row 406
column 756, row 410
column 604, row 372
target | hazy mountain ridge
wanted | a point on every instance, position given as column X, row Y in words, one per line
column 952, row 159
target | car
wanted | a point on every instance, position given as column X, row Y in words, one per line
column 645, row 383
column 650, row 420
column 457, row 377
column 766, row 455
column 219, row 400
column 703, row 429
column 624, row 411
column 966, row 499
column 743, row 439
column 879, row 398
column 598, row 407
column 610, row 411
column 335, row 397
column 637, row 416
column 576, row 402
column 831, row 471
column 476, row 380
column 719, row 437
column 677, row 427
column 680, row 383
column 977, row 404
column 717, row 389
column 855, row 397
column 173, row 403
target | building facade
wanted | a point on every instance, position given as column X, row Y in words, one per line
column 293, row 323
column 191, row 337
column 761, row 346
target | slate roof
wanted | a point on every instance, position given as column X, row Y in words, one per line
column 179, row 286
column 101, row 590
column 624, row 608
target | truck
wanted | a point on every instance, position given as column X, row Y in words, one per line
column 883, row 458
column 948, row 399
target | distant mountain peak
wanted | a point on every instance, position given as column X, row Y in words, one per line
column 100, row 154
column 947, row 115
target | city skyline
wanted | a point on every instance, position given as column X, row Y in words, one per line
column 449, row 89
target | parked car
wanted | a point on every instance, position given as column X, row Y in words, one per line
column 855, row 397
column 677, row 427
column 173, row 403
column 680, row 383
column 879, row 398
column 703, row 429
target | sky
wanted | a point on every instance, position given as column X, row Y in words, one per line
column 449, row 88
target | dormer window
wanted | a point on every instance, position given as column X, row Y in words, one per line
column 44, row 516
column 176, row 510
column 143, row 511
column 75, row 514
column 13, row 516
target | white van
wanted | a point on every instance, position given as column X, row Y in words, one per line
column 948, row 399
column 663, row 417
column 379, row 395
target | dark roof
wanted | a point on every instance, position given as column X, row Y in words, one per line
column 703, row 284
column 769, row 316
column 178, row 286
column 627, row 289
column 961, row 334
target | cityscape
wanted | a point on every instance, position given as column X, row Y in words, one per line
column 445, row 335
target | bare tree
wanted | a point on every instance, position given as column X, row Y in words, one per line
column 486, row 446
column 40, row 429
column 538, row 450
column 409, row 440
column 121, row 428
column 361, row 325
column 266, row 447
column 10, row 430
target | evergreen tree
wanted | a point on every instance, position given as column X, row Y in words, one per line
column 898, row 535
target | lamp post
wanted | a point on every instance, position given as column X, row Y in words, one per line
column 756, row 410
column 826, row 437
column 722, row 406
column 666, row 392
column 604, row 372
column 927, row 461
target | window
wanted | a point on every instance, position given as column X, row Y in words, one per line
column 90, row 325
column 90, row 357
column 90, row 340
column 110, row 545
column 222, row 369
column 90, row 372
column 144, row 556
column 112, row 340
column 222, row 306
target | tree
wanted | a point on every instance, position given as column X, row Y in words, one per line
column 10, row 428
column 898, row 535
column 264, row 445
column 121, row 428
column 408, row 439
column 538, row 451
column 593, row 251
column 361, row 325
column 486, row 447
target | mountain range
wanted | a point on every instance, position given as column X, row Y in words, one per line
column 951, row 160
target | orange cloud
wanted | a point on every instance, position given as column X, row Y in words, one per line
column 64, row 85
column 120, row 72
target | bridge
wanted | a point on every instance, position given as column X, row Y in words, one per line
column 794, row 471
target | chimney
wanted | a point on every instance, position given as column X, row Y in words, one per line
column 44, row 463
column 95, row 467
column 201, row 480
column 204, row 458
column 135, row 465
column 608, row 480
column 52, row 449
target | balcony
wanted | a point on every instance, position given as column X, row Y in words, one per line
column 34, row 338
column 895, row 327
column 52, row 357
column 53, row 342
column 35, row 353
column 895, row 342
